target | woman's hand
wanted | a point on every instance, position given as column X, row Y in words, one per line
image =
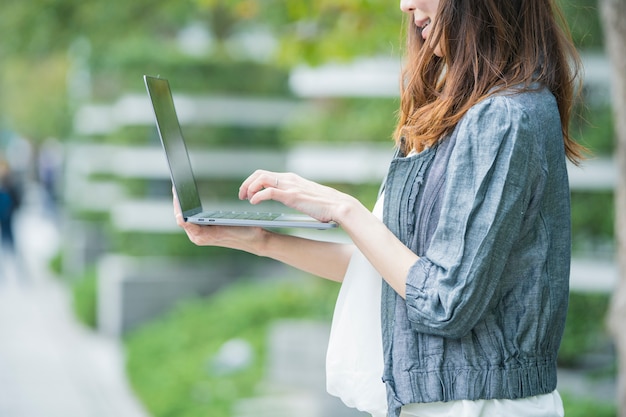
column 235, row 237
column 318, row 201
column 325, row 259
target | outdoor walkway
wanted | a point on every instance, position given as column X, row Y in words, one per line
column 51, row 366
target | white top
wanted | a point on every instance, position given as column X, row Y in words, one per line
column 548, row 405
column 365, row 328
column 354, row 360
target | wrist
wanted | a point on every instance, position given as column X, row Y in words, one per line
column 346, row 210
column 259, row 243
column 247, row 239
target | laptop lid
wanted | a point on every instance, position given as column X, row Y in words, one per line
column 174, row 145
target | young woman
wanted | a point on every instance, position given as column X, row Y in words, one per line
column 473, row 240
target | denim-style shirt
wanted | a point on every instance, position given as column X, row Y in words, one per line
column 488, row 212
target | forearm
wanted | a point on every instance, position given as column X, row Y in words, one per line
column 389, row 256
column 324, row 259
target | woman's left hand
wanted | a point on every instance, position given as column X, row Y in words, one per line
column 318, row 201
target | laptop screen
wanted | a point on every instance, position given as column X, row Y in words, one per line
column 174, row 145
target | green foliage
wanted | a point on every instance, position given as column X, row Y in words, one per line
column 187, row 75
column 169, row 360
column 583, row 18
column 367, row 194
column 199, row 136
column 130, row 135
column 84, row 298
column 311, row 30
column 595, row 130
column 234, row 137
column 55, row 265
column 585, row 327
column 27, row 26
column 593, row 212
column 123, row 40
column 33, row 97
column 581, row 407
column 40, row 27
column 172, row 244
column 593, row 218
column 345, row 120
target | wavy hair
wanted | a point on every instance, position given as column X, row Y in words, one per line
column 486, row 46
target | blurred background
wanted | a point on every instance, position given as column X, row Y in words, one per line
column 107, row 309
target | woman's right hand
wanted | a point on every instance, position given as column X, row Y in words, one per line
column 234, row 237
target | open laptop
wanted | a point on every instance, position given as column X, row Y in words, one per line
column 183, row 179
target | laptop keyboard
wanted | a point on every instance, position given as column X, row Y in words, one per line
column 245, row 215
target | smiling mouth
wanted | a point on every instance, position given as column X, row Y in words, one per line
column 424, row 25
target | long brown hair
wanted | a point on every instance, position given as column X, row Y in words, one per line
column 485, row 46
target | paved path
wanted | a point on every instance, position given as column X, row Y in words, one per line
column 51, row 366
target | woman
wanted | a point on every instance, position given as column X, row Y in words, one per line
column 474, row 241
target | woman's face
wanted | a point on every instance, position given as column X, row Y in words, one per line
column 424, row 13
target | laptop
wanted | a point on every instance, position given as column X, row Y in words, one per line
column 183, row 178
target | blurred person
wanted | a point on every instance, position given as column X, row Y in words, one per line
column 10, row 199
column 470, row 238
column 19, row 153
column 49, row 164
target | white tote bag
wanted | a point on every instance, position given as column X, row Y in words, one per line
column 354, row 360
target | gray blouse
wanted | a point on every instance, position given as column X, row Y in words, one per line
column 488, row 212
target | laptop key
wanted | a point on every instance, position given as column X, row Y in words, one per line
column 241, row 215
column 257, row 216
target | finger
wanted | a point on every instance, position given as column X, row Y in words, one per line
column 180, row 221
column 176, row 204
column 197, row 235
column 245, row 185
column 258, row 182
column 265, row 194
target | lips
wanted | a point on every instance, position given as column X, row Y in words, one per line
column 422, row 23
column 423, row 26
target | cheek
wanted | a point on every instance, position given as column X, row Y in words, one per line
column 427, row 6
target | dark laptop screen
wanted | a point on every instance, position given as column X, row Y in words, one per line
column 174, row 145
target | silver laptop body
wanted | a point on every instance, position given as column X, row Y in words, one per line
column 183, row 179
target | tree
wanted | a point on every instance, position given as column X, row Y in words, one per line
column 614, row 19
column 36, row 38
column 37, row 35
column 316, row 31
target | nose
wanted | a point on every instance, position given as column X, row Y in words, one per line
column 407, row 6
